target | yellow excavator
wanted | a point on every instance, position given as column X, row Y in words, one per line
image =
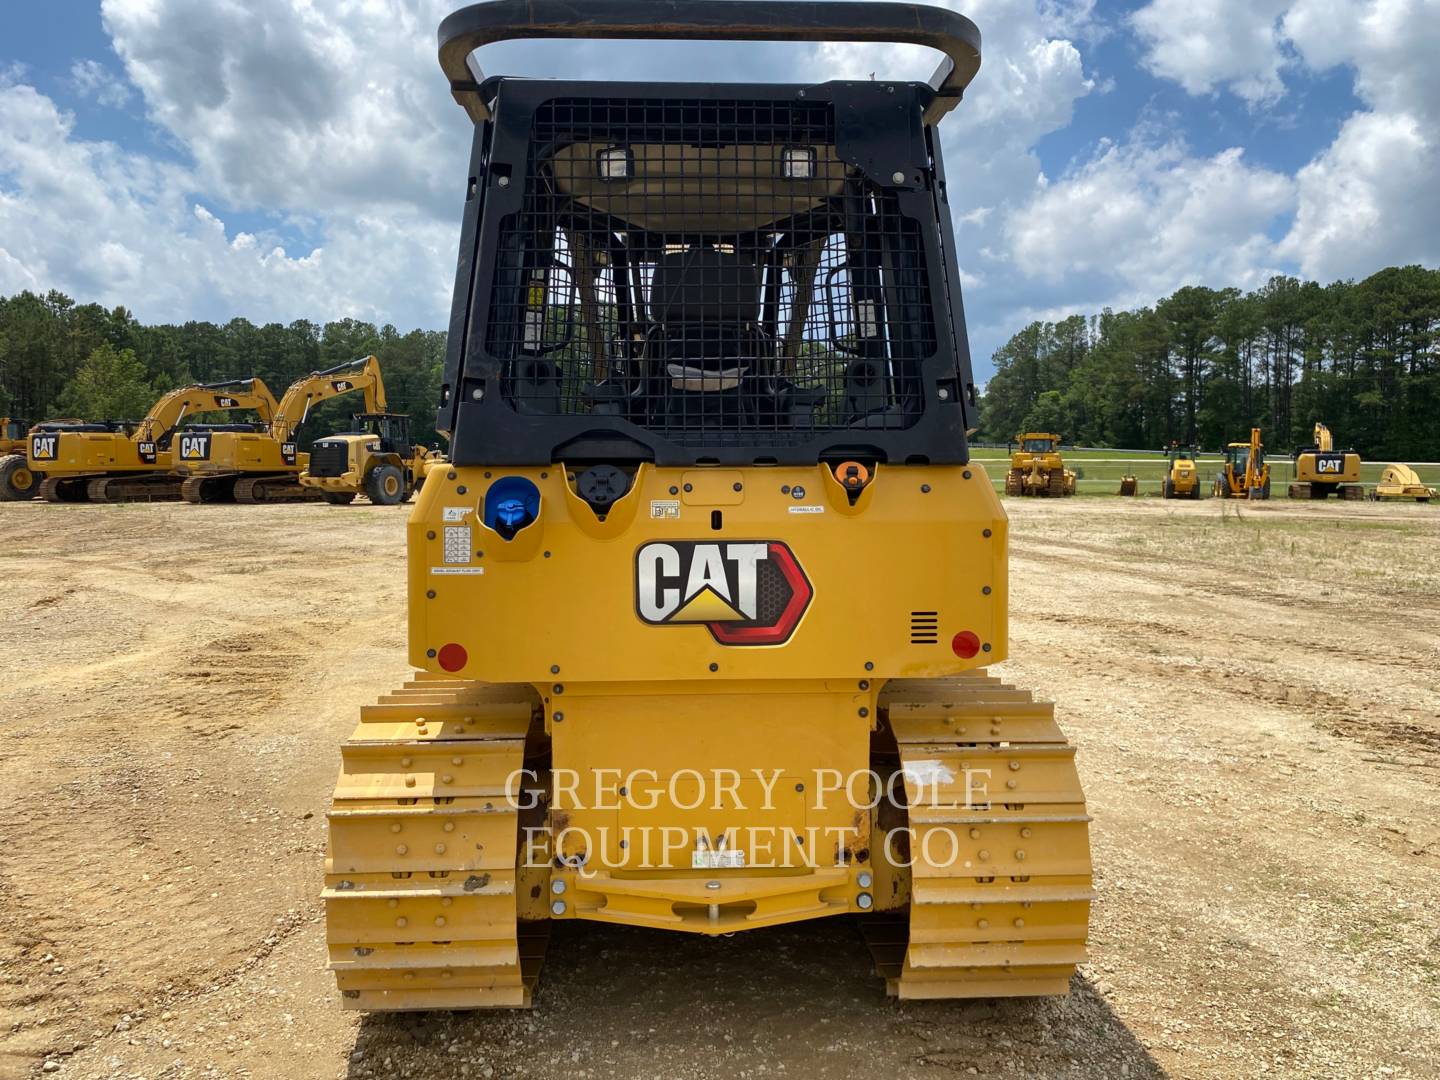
column 263, row 463
column 1321, row 470
column 124, row 461
column 1182, row 475
column 376, row 460
column 702, row 602
column 1036, row 467
column 1399, row 481
column 1244, row 473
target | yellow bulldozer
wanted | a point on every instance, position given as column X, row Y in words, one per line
column 262, row 463
column 1321, row 470
column 702, row 602
column 1399, row 481
column 1037, row 468
column 1244, row 472
column 1182, row 474
column 124, row 461
column 376, row 460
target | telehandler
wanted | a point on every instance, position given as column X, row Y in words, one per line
column 1036, row 468
column 1244, row 474
column 125, row 461
column 703, row 600
column 1321, row 470
column 376, row 460
column 1182, row 476
column 263, row 463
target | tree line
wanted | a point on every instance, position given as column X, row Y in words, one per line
column 1205, row 365
column 63, row 359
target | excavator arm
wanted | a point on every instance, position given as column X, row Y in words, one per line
column 165, row 415
column 1324, row 441
column 362, row 376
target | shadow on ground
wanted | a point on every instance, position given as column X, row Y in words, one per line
column 796, row 1001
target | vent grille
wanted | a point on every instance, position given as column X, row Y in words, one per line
column 924, row 628
column 329, row 459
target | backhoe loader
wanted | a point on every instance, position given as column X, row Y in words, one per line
column 1182, row 476
column 1321, row 470
column 1036, row 467
column 263, row 463
column 1244, row 474
column 124, row 461
column 376, row 460
column 702, row 602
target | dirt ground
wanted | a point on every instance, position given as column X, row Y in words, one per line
column 1253, row 693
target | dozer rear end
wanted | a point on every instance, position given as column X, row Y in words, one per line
column 740, row 578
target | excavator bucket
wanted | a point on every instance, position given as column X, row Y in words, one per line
column 1129, row 485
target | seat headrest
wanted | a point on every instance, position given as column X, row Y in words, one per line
column 705, row 286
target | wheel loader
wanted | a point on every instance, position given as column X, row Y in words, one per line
column 1036, row 468
column 1321, row 470
column 130, row 461
column 1182, row 475
column 17, row 481
column 1244, row 473
column 376, row 460
column 262, row 463
column 702, row 602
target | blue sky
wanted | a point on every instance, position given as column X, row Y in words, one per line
column 278, row 160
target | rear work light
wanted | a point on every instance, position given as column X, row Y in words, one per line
column 798, row 163
column 616, row 163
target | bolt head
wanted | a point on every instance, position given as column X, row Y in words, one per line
column 558, row 907
column 864, row 901
column 864, row 878
column 898, row 177
column 557, row 886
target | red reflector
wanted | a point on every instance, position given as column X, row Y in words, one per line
column 966, row 644
column 453, row 657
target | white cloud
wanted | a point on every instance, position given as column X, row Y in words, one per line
column 1142, row 219
column 102, row 224
column 1370, row 200
column 1205, row 45
column 93, row 79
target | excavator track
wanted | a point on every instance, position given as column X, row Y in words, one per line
column 208, row 488
column 123, row 489
column 1000, row 880
column 424, row 882
column 64, row 489
column 273, row 489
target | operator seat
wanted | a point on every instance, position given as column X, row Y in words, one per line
column 706, row 306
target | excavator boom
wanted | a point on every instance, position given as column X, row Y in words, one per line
column 165, row 415
column 309, row 391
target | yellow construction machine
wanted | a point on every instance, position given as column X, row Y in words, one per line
column 376, row 460
column 703, row 601
column 1321, row 470
column 262, row 463
column 1036, row 467
column 1244, row 473
column 125, row 461
column 1182, row 475
column 1401, row 482
column 17, row 481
